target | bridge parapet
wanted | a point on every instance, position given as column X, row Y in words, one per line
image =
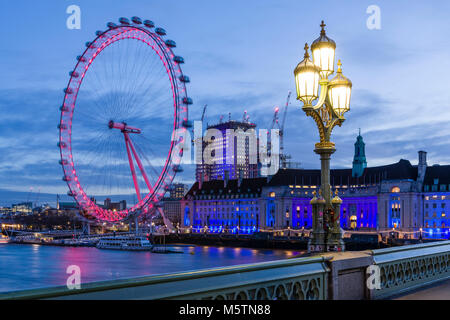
column 409, row 267
column 296, row 278
column 336, row 276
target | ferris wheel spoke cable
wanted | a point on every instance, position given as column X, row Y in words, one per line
column 100, row 83
column 148, row 143
column 144, row 81
column 137, row 73
column 148, row 162
column 88, row 168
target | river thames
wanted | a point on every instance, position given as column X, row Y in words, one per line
column 36, row 266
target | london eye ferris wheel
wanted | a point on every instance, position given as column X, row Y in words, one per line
column 122, row 121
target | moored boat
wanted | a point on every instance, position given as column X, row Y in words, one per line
column 132, row 243
column 4, row 239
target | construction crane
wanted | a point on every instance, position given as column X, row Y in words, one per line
column 284, row 157
column 37, row 198
column 29, row 194
column 244, row 117
column 284, row 163
column 204, row 112
column 201, row 119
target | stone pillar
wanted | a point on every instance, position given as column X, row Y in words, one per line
column 317, row 241
column 327, row 234
column 334, row 241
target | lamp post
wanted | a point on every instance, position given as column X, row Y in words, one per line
column 333, row 102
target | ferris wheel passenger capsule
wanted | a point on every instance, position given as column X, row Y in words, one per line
column 124, row 20
column 160, row 31
column 64, row 108
column 98, row 33
column 81, row 58
column 178, row 168
column 61, row 145
column 187, row 100
column 68, row 90
column 74, row 74
column 187, row 124
column 63, row 162
column 71, row 193
column 149, row 24
column 111, row 25
column 185, row 79
column 178, row 59
column 66, row 178
column 136, row 20
column 62, row 126
column 171, row 43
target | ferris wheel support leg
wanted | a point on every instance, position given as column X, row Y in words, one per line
column 141, row 167
column 133, row 171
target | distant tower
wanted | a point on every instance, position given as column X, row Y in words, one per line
column 359, row 160
column 422, row 166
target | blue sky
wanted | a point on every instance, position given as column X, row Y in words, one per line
column 240, row 55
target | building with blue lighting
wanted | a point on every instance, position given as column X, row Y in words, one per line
column 402, row 196
column 230, row 157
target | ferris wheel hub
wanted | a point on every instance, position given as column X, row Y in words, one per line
column 122, row 126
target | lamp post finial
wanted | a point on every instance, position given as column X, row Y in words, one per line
column 306, row 51
column 322, row 25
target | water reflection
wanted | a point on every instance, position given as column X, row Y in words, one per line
column 33, row 266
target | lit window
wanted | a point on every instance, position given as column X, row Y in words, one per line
column 395, row 190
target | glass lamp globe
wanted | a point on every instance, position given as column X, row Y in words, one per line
column 323, row 49
column 339, row 92
column 307, row 79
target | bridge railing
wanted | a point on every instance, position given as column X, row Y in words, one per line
column 408, row 267
column 296, row 278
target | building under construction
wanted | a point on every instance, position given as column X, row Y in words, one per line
column 230, row 157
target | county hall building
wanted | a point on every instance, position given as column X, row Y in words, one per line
column 400, row 195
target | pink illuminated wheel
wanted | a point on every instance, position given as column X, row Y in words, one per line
column 123, row 119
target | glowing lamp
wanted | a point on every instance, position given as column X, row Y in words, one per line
column 339, row 92
column 307, row 80
column 323, row 49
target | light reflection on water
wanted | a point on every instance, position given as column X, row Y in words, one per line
column 34, row 266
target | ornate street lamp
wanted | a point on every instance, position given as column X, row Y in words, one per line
column 333, row 102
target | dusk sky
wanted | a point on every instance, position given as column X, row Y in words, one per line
column 240, row 55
